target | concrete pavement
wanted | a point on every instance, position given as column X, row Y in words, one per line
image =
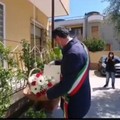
column 105, row 101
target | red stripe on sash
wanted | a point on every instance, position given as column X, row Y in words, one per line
column 80, row 84
column 66, row 109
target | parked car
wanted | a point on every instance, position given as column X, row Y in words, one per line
column 102, row 65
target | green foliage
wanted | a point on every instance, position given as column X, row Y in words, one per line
column 5, row 90
column 35, row 114
column 6, row 76
column 54, row 53
column 13, row 71
column 113, row 10
column 29, row 58
column 94, row 44
column 4, row 52
column 57, row 52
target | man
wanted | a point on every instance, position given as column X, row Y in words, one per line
column 74, row 87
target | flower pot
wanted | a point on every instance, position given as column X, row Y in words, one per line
column 49, row 105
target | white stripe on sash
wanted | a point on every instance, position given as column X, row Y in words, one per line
column 78, row 80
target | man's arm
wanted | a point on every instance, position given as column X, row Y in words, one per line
column 74, row 64
column 57, row 62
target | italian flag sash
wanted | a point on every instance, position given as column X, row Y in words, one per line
column 81, row 77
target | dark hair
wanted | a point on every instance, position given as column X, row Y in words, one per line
column 61, row 32
column 111, row 53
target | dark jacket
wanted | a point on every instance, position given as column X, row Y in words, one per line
column 110, row 65
column 74, row 59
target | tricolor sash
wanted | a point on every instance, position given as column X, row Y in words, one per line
column 81, row 77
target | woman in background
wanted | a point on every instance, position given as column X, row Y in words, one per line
column 110, row 69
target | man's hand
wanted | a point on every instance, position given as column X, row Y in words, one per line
column 33, row 97
column 43, row 98
column 27, row 92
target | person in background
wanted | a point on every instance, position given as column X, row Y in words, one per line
column 110, row 69
column 74, row 87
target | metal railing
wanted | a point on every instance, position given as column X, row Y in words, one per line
column 16, row 53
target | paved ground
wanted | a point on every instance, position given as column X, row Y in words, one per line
column 105, row 101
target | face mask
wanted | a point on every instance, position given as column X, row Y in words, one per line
column 111, row 55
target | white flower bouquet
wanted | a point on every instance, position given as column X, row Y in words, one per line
column 40, row 83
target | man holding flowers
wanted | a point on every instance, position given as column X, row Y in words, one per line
column 74, row 87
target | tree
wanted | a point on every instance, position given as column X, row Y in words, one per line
column 113, row 10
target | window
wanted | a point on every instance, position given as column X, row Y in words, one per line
column 1, row 28
column 77, row 32
column 95, row 31
column 38, row 34
column 1, row 21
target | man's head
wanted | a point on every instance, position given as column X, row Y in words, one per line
column 61, row 36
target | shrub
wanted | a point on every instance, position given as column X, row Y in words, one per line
column 35, row 114
column 94, row 44
column 6, row 76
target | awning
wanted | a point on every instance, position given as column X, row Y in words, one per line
column 61, row 7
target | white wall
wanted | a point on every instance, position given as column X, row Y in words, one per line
column 107, row 31
column 109, row 34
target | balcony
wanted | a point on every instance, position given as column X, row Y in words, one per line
column 61, row 7
column 95, row 18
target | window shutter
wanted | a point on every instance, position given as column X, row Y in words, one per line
column 1, row 21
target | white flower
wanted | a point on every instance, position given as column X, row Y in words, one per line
column 40, row 78
column 40, row 83
column 35, row 88
column 31, row 78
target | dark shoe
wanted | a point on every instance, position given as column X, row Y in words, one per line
column 113, row 87
column 105, row 86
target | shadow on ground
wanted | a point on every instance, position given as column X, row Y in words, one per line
column 105, row 103
column 97, row 73
column 101, row 88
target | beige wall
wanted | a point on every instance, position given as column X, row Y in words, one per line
column 18, row 15
column 89, row 30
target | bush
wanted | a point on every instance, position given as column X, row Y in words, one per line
column 94, row 44
column 35, row 114
column 6, row 76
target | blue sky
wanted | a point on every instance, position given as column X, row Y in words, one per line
column 80, row 7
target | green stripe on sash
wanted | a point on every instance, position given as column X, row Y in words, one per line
column 81, row 74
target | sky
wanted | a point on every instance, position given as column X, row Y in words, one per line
column 80, row 7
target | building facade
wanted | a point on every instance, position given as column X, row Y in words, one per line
column 93, row 25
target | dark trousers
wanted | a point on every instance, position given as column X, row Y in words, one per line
column 112, row 76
